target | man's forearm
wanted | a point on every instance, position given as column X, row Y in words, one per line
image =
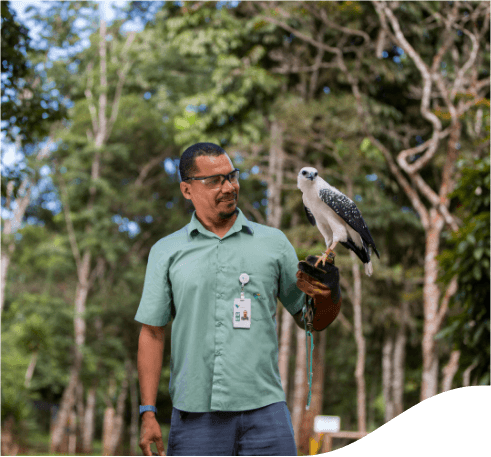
column 150, row 352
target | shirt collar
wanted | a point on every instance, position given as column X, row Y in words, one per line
column 241, row 223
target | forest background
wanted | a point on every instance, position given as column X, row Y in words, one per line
column 388, row 100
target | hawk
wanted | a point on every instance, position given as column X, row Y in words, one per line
column 336, row 216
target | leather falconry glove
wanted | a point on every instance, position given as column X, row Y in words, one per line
column 322, row 284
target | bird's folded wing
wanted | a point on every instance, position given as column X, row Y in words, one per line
column 347, row 211
column 310, row 216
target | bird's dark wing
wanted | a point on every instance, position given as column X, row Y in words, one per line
column 348, row 211
column 310, row 216
column 362, row 254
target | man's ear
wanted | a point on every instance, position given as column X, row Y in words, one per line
column 185, row 190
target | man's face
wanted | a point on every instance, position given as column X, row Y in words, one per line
column 213, row 204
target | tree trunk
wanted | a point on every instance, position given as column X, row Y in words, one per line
column 387, row 351
column 307, row 425
column 10, row 226
column 101, row 127
column 450, row 370
column 114, row 419
column 72, row 432
column 360, row 345
column 431, row 297
column 88, row 431
column 275, row 176
column 62, row 417
column 31, row 368
column 8, row 442
column 108, row 427
column 69, row 395
column 135, row 415
column 466, row 376
column 393, row 356
column 399, row 360
column 6, row 256
column 80, row 416
column 300, row 383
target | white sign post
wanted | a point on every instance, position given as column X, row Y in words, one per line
column 327, row 424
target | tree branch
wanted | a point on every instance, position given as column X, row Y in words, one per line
column 90, row 99
column 382, row 9
column 71, row 231
column 255, row 212
column 101, row 134
column 148, row 166
column 449, row 293
column 122, row 76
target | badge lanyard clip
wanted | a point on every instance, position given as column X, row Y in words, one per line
column 244, row 279
column 308, row 313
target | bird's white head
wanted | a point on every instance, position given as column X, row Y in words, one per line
column 306, row 176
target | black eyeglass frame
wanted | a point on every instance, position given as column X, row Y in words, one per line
column 225, row 177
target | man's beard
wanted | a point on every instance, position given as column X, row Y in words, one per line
column 223, row 215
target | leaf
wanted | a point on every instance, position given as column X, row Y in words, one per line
column 477, row 272
column 478, row 253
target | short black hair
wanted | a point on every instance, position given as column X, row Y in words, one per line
column 187, row 165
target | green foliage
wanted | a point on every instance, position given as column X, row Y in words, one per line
column 468, row 257
column 201, row 73
column 230, row 53
column 28, row 107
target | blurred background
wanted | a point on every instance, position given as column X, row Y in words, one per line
column 388, row 100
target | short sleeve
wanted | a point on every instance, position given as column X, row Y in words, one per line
column 156, row 302
column 289, row 294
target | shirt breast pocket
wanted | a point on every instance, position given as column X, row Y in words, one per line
column 262, row 289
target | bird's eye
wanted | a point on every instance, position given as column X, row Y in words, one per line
column 315, row 174
column 304, row 172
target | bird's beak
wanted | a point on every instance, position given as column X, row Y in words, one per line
column 311, row 176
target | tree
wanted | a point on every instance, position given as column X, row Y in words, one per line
column 457, row 43
column 28, row 107
column 467, row 257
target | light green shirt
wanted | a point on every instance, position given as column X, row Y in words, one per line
column 193, row 276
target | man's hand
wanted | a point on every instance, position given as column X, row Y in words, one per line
column 150, row 433
column 326, row 303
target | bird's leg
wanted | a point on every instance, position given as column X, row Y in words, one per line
column 328, row 254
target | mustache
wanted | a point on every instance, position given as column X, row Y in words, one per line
column 227, row 198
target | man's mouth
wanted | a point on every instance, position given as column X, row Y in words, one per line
column 228, row 199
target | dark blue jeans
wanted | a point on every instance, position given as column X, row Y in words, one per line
column 263, row 431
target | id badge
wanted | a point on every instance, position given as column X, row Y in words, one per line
column 242, row 313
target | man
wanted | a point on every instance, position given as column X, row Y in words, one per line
column 225, row 385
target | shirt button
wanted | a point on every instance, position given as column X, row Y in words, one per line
column 218, row 324
column 218, row 353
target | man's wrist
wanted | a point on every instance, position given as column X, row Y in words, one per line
column 148, row 408
column 148, row 415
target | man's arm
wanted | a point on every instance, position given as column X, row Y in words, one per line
column 150, row 353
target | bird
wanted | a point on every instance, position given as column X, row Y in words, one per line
column 336, row 216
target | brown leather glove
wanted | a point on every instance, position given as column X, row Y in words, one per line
column 322, row 284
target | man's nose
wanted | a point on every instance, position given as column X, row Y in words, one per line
column 227, row 186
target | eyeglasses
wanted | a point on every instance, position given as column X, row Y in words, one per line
column 216, row 181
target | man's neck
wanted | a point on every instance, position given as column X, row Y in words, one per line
column 219, row 227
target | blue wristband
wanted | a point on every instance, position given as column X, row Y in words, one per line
column 147, row 408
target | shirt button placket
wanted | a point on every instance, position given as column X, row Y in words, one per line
column 217, row 391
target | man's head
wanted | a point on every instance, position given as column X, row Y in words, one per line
column 214, row 199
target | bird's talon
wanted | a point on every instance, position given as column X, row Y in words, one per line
column 322, row 259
